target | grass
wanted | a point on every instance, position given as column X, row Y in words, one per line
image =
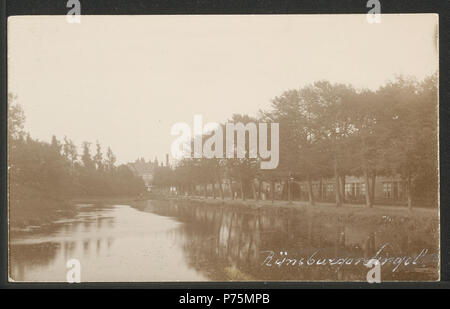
column 36, row 210
column 27, row 211
column 344, row 209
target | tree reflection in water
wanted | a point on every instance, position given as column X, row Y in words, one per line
column 232, row 243
column 194, row 241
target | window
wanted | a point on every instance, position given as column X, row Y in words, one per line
column 363, row 189
column 387, row 189
column 348, row 188
column 330, row 188
column 356, row 189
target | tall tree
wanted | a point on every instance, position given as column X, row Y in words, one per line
column 86, row 158
column 110, row 159
column 98, row 158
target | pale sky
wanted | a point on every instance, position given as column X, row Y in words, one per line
column 125, row 80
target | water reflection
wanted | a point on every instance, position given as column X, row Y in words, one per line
column 187, row 241
column 232, row 243
column 116, row 243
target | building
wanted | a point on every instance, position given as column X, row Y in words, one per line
column 145, row 170
column 388, row 190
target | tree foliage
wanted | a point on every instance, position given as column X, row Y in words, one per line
column 332, row 130
column 55, row 170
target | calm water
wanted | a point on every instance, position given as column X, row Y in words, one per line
column 171, row 241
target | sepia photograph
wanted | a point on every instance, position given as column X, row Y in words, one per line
column 223, row 148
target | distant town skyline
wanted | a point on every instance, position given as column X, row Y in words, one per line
column 125, row 80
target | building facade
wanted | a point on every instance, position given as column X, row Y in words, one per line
column 145, row 170
column 388, row 190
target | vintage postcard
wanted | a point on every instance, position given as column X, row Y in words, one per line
column 168, row 148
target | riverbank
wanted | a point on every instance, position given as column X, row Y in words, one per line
column 352, row 210
column 349, row 230
column 418, row 223
column 30, row 213
column 26, row 215
column 107, row 200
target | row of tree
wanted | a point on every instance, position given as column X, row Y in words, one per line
column 332, row 130
column 56, row 170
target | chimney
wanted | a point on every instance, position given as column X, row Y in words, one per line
column 167, row 160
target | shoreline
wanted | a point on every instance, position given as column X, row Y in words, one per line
column 24, row 221
column 32, row 216
column 106, row 200
column 353, row 209
column 415, row 221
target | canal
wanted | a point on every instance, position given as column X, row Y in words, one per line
column 193, row 241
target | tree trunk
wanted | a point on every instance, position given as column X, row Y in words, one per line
column 343, row 188
column 310, row 192
column 205, row 190
column 255, row 197
column 220, row 187
column 368, row 194
column 283, row 187
column 242, row 190
column 372, row 188
column 320, row 189
column 337, row 190
column 272, row 190
column 213, row 186
column 230, row 182
column 409, row 193
column 260, row 183
column 290, row 191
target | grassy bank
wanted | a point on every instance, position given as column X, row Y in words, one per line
column 28, row 212
column 36, row 211
column 107, row 200
column 350, row 210
column 403, row 230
